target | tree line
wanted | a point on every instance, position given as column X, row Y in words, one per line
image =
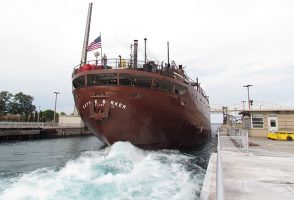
column 21, row 105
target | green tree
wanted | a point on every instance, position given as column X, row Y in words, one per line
column 5, row 98
column 36, row 114
column 48, row 115
column 41, row 117
column 22, row 104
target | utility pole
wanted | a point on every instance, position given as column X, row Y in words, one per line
column 54, row 121
column 38, row 120
column 248, row 94
column 243, row 102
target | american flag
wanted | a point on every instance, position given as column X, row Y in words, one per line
column 95, row 44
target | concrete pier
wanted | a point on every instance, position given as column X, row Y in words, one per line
column 265, row 172
column 42, row 132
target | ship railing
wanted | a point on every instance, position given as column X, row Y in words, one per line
column 116, row 63
column 112, row 63
column 36, row 125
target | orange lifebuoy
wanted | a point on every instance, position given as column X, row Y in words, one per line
column 85, row 67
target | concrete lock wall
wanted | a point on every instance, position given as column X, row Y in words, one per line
column 69, row 119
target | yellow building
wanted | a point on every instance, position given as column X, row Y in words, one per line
column 260, row 122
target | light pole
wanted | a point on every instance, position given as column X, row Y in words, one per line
column 38, row 120
column 54, row 122
column 235, row 113
column 248, row 94
column 243, row 102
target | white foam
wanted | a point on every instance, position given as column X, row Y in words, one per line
column 121, row 171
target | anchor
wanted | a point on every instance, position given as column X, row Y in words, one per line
column 99, row 112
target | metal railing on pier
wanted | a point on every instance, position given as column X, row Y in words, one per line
column 220, row 195
column 35, row 125
column 237, row 139
column 240, row 137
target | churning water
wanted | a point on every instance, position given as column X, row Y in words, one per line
column 76, row 168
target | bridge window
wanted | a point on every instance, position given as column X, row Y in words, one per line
column 101, row 79
column 142, row 81
column 125, row 79
column 257, row 120
column 163, row 85
column 79, row 82
column 135, row 80
column 91, row 79
column 179, row 89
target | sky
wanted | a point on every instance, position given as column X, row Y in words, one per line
column 225, row 43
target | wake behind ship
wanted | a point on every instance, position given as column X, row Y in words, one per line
column 148, row 104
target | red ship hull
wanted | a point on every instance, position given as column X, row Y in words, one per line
column 146, row 117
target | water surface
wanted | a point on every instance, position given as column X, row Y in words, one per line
column 78, row 168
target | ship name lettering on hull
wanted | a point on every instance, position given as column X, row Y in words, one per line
column 112, row 103
column 117, row 104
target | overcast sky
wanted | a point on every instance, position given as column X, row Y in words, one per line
column 226, row 43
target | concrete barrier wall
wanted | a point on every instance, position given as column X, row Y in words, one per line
column 6, row 134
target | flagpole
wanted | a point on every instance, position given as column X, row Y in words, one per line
column 101, row 47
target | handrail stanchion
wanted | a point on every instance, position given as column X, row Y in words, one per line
column 219, row 173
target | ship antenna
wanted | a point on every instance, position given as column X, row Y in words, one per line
column 145, row 61
column 168, row 64
column 86, row 37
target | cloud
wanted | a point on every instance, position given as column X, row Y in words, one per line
column 225, row 43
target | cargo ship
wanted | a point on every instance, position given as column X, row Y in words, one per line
column 151, row 105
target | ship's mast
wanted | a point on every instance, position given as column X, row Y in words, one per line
column 86, row 37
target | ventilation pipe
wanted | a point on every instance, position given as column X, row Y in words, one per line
column 135, row 53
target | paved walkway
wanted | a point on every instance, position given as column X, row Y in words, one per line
column 266, row 172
